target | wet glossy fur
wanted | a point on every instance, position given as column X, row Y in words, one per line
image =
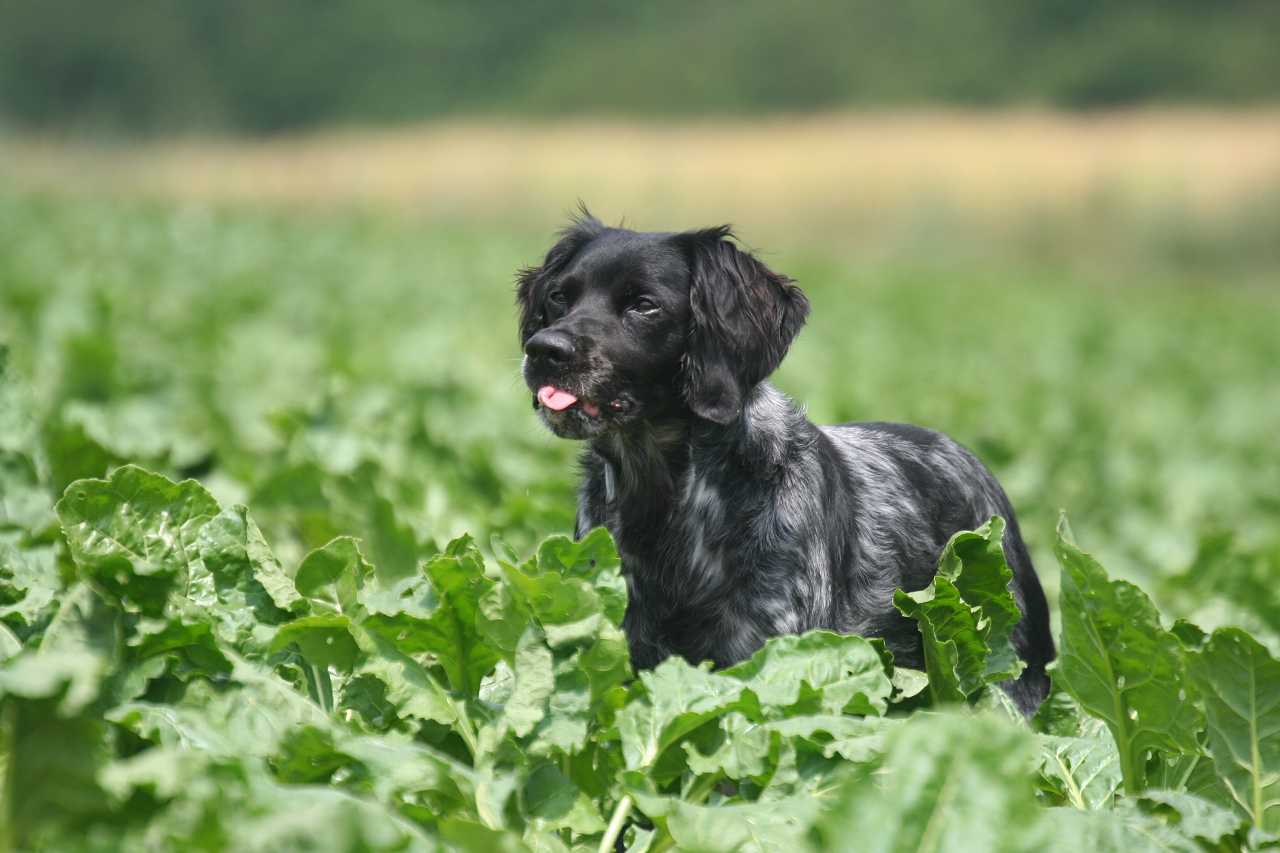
column 737, row 519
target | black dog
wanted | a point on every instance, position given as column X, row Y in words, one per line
column 736, row 518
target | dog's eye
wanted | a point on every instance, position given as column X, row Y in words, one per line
column 644, row 306
column 558, row 297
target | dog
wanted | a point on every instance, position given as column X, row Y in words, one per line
column 737, row 519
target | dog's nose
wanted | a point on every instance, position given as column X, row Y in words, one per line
column 550, row 346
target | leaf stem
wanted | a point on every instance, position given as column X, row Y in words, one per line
column 8, row 773
column 1255, row 774
column 467, row 731
column 326, row 689
column 1074, row 795
column 663, row 844
column 702, row 788
column 620, row 812
column 313, row 687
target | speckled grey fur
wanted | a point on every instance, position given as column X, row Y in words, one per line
column 773, row 525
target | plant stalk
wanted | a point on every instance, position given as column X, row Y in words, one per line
column 326, row 689
column 616, row 822
column 313, row 687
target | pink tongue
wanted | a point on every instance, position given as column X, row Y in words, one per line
column 555, row 399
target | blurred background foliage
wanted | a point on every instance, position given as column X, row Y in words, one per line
column 271, row 246
column 187, row 65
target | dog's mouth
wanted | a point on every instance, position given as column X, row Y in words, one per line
column 573, row 415
column 559, row 400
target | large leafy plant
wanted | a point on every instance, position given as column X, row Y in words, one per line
column 170, row 682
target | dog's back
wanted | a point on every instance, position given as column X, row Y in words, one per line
column 916, row 488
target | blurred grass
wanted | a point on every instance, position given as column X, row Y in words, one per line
column 867, row 181
column 323, row 327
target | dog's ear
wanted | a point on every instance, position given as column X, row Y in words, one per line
column 744, row 317
column 531, row 282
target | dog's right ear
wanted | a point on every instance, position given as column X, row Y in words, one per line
column 531, row 282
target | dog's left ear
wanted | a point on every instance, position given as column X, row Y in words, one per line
column 744, row 317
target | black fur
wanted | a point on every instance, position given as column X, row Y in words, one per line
column 737, row 519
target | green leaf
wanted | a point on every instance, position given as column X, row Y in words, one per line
column 534, row 684
column 908, row 684
column 156, row 428
column 237, row 584
column 946, row 783
column 307, row 756
column 29, row 584
column 1082, row 771
column 392, row 545
column 76, row 656
column 732, row 826
column 52, row 764
column 248, row 715
column 400, row 769
column 73, row 454
column 817, row 672
column 860, row 740
column 1121, row 665
column 1194, row 774
column 474, row 837
column 1193, row 816
column 331, row 576
column 163, row 772
column 10, row 645
column 503, row 619
column 284, row 817
column 553, row 802
column 567, row 724
column 1226, row 573
column 742, row 750
column 586, row 557
column 1125, row 830
column 195, row 642
column 411, row 688
column 1191, row 636
column 24, row 503
column 1240, row 684
column 679, row 698
column 1059, row 714
column 74, row 676
column 966, row 615
column 568, row 608
column 570, row 594
column 440, row 619
column 595, row 558
column 522, row 690
column 367, row 697
column 325, row 641
column 1154, row 822
column 133, row 534
column 829, row 673
column 232, row 547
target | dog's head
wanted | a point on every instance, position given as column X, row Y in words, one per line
column 620, row 326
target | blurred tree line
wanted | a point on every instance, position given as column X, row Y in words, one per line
column 270, row 65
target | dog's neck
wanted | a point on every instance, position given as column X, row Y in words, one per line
column 644, row 466
column 641, row 469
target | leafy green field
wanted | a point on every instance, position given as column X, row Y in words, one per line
column 334, row 668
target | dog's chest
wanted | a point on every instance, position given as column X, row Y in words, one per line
column 694, row 586
column 687, row 549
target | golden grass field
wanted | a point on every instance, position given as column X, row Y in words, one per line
column 765, row 175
